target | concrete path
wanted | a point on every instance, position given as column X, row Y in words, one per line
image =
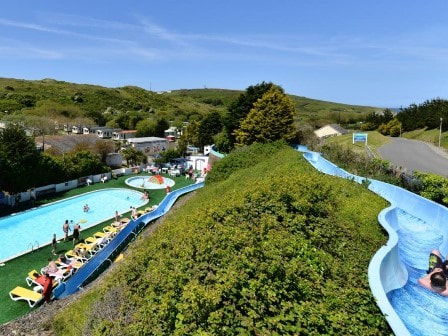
column 415, row 155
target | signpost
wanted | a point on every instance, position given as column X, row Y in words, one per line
column 360, row 137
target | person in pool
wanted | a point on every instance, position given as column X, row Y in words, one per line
column 435, row 280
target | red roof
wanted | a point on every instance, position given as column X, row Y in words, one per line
column 128, row 131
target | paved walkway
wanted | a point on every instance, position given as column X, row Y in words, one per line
column 415, row 155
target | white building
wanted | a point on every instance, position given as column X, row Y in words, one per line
column 123, row 135
column 91, row 129
column 149, row 145
column 106, row 132
column 77, row 129
column 330, row 131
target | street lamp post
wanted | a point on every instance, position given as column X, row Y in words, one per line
column 440, row 131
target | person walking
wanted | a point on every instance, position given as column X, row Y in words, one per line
column 48, row 287
column 66, row 228
column 53, row 244
column 76, row 230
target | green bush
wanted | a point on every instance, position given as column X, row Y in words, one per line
column 433, row 187
column 276, row 248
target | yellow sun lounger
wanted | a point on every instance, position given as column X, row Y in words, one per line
column 91, row 249
column 111, row 229
column 32, row 275
column 83, row 257
column 75, row 264
column 20, row 293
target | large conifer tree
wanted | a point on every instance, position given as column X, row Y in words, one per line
column 271, row 119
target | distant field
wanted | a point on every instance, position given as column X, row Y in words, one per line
column 313, row 111
column 64, row 100
column 374, row 139
column 323, row 112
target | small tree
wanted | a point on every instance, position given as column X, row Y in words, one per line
column 104, row 147
column 17, row 155
column 133, row 156
column 146, row 127
column 271, row 119
column 208, row 127
column 167, row 156
column 161, row 125
column 223, row 142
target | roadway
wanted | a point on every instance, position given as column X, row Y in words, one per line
column 415, row 155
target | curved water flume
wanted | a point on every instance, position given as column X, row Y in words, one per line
column 415, row 227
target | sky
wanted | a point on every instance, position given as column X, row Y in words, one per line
column 378, row 53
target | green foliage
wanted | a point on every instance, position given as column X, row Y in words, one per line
column 427, row 114
column 161, row 125
column 208, row 127
column 191, row 134
column 18, row 155
column 133, row 156
column 276, row 249
column 145, row 128
column 242, row 157
column 392, row 128
column 81, row 163
column 223, row 142
column 433, row 187
column 167, row 156
column 270, row 119
column 241, row 107
column 360, row 164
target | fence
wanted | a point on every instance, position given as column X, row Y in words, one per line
column 26, row 196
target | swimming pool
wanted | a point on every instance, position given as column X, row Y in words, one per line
column 150, row 182
column 22, row 231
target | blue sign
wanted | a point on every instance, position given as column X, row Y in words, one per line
column 359, row 137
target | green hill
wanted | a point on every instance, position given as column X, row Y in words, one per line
column 268, row 247
column 63, row 101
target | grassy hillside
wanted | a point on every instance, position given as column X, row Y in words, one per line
column 317, row 112
column 374, row 139
column 274, row 248
column 431, row 136
column 64, row 101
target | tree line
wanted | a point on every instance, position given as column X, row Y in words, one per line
column 22, row 166
column 262, row 113
column 426, row 115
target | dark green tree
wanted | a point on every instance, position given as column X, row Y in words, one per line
column 241, row 107
column 18, row 156
column 161, row 125
column 387, row 116
column 271, row 119
column 209, row 127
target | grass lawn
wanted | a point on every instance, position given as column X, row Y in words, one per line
column 15, row 271
column 431, row 136
column 374, row 139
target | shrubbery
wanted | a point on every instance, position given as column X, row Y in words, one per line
column 270, row 247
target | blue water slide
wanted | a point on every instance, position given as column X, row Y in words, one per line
column 415, row 226
column 104, row 256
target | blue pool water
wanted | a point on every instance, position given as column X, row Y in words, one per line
column 37, row 226
column 422, row 311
